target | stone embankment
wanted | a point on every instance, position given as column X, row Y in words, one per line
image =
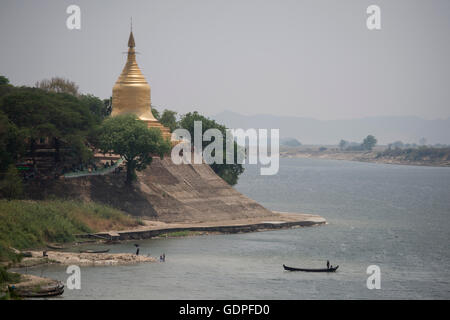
column 156, row 228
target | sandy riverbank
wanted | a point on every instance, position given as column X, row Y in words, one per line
column 82, row 259
column 150, row 229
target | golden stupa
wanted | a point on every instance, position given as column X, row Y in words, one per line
column 131, row 93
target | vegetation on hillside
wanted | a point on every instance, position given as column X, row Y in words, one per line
column 29, row 224
column 7, row 278
column 228, row 172
column 56, row 112
column 29, row 115
column 11, row 185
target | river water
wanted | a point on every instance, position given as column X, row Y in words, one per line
column 392, row 216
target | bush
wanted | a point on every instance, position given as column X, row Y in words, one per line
column 11, row 186
column 30, row 224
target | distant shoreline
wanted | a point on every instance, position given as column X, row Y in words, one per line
column 371, row 157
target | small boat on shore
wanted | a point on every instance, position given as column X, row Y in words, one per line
column 50, row 290
column 333, row 269
column 55, row 247
column 94, row 251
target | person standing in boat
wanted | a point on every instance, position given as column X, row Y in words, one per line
column 328, row 264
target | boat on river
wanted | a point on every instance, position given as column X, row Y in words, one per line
column 332, row 269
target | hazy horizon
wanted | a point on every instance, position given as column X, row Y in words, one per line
column 309, row 59
column 329, row 132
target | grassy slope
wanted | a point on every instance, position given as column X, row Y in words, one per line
column 28, row 224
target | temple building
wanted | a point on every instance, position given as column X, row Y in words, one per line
column 131, row 93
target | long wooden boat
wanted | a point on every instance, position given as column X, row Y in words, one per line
column 311, row 270
column 55, row 247
column 94, row 251
column 41, row 292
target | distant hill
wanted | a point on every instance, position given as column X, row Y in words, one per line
column 312, row 131
column 290, row 142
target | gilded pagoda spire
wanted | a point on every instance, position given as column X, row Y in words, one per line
column 131, row 93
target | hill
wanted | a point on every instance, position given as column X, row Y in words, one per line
column 312, row 131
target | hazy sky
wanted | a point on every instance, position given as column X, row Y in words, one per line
column 301, row 58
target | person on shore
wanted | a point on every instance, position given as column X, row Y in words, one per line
column 328, row 264
column 137, row 250
column 164, row 257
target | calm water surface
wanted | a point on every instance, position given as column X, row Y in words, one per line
column 396, row 217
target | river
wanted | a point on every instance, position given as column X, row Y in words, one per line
column 392, row 216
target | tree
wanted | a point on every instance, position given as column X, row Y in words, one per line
column 343, row 144
column 369, row 142
column 228, row 172
column 11, row 185
column 155, row 113
column 12, row 142
column 130, row 138
column 169, row 119
column 100, row 108
column 107, row 103
column 57, row 116
column 58, row 85
column 4, row 80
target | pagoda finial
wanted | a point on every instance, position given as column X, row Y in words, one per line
column 131, row 43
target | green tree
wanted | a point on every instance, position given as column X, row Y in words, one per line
column 12, row 142
column 155, row 113
column 4, row 80
column 130, row 138
column 228, row 172
column 57, row 116
column 11, row 185
column 369, row 142
column 5, row 87
column 98, row 107
column 169, row 119
column 107, row 103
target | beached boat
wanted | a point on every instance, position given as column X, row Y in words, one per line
column 39, row 292
column 333, row 269
column 55, row 247
column 94, row 251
